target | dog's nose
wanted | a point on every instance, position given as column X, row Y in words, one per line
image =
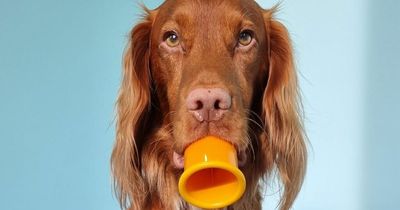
column 208, row 104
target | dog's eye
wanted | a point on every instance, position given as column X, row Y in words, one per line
column 172, row 39
column 245, row 37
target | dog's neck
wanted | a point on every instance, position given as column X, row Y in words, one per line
column 196, row 208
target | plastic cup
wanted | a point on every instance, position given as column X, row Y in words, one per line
column 211, row 178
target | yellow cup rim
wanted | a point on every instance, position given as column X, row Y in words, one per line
column 212, row 164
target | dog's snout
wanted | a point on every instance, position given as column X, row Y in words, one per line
column 208, row 104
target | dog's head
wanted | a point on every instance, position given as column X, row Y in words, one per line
column 221, row 68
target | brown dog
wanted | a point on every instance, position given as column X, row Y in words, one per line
column 207, row 67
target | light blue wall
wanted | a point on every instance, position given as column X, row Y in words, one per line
column 381, row 159
column 59, row 74
column 348, row 53
column 329, row 40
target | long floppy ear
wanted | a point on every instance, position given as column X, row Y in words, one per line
column 133, row 107
column 281, row 111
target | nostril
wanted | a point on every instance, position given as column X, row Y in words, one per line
column 199, row 105
column 217, row 104
column 222, row 104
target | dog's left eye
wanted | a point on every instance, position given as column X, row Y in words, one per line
column 245, row 37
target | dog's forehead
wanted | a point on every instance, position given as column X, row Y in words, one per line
column 207, row 2
column 209, row 13
column 208, row 24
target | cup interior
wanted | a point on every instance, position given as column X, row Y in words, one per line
column 212, row 185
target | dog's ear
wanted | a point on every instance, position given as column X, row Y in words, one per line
column 133, row 108
column 281, row 111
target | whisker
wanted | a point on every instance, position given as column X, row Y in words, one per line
column 254, row 114
column 258, row 123
column 170, row 114
column 253, row 153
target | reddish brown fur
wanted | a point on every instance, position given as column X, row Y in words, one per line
column 152, row 123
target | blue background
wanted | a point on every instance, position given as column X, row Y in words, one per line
column 60, row 67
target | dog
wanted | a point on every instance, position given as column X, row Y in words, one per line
column 194, row 68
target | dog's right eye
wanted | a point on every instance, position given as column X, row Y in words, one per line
column 172, row 39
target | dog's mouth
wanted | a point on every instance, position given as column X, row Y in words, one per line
column 179, row 160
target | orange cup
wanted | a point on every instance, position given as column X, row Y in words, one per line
column 211, row 178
